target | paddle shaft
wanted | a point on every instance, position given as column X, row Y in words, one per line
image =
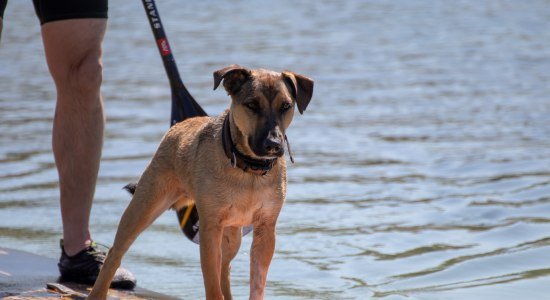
column 183, row 104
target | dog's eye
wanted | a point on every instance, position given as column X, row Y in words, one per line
column 253, row 106
column 286, row 106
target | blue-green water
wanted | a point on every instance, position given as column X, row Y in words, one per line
column 423, row 161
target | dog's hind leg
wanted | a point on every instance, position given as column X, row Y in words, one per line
column 230, row 246
column 151, row 199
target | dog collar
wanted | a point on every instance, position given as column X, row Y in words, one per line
column 238, row 159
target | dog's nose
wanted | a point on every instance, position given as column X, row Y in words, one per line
column 272, row 145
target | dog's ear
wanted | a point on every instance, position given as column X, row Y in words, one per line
column 233, row 78
column 301, row 88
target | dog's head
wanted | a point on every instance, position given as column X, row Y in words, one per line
column 262, row 105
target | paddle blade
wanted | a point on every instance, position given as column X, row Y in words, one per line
column 184, row 106
column 188, row 218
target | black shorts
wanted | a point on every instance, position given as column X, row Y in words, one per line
column 54, row 10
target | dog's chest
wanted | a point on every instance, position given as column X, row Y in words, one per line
column 250, row 206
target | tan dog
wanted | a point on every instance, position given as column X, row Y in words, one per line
column 231, row 167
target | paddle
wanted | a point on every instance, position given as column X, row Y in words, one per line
column 184, row 106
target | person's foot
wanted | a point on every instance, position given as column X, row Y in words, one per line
column 84, row 267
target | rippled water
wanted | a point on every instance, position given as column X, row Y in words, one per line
column 423, row 161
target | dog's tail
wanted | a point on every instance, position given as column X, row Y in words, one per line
column 131, row 187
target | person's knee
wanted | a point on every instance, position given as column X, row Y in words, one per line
column 82, row 75
column 73, row 53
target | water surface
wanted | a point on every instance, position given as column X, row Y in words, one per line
column 422, row 164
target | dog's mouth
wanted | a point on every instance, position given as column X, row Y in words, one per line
column 280, row 153
column 266, row 156
column 273, row 155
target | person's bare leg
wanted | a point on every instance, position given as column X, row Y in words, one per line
column 73, row 53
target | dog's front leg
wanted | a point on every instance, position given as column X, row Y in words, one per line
column 230, row 246
column 148, row 203
column 263, row 246
column 211, row 256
